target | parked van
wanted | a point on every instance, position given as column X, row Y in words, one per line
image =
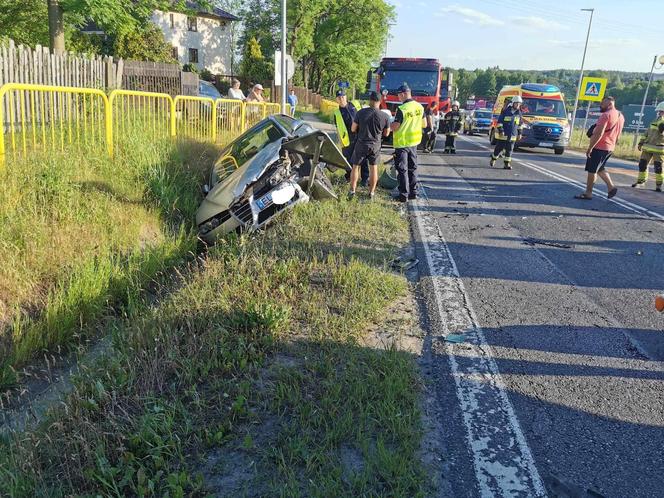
column 545, row 122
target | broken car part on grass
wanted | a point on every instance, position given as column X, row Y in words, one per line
column 275, row 165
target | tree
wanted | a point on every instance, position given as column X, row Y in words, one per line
column 24, row 22
column 233, row 7
column 485, row 84
column 254, row 67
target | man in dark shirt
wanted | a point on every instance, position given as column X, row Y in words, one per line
column 344, row 117
column 370, row 125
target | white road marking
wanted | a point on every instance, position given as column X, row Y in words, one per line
column 504, row 465
column 629, row 206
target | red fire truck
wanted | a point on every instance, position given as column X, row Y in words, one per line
column 427, row 79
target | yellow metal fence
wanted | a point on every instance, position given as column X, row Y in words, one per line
column 34, row 117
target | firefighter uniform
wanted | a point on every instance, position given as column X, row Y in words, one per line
column 407, row 137
column 652, row 149
column 452, row 123
column 507, row 132
column 343, row 119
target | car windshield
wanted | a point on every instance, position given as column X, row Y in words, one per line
column 483, row 115
column 206, row 89
column 246, row 147
column 543, row 107
column 421, row 83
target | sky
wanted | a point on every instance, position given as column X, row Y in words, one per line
column 530, row 34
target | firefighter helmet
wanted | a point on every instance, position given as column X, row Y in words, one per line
column 517, row 99
column 660, row 107
column 456, row 103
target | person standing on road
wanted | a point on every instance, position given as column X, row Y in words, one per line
column 429, row 131
column 603, row 141
column 292, row 100
column 508, row 132
column 343, row 118
column 370, row 125
column 407, row 128
column 452, row 126
column 652, row 149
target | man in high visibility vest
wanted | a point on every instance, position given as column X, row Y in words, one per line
column 507, row 132
column 407, row 129
column 343, row 118
column 651, row 146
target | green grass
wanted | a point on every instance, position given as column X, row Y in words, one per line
column 253, row 376
column 624, row 148
column 82, row 235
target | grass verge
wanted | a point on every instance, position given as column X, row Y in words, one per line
column 81, row 234
column 253, row 378
column 624, row 148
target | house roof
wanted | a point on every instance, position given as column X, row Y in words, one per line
column 213, row 12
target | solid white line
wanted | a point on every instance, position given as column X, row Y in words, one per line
column 629, row 206
column 504, row 465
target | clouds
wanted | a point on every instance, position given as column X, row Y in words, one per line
column 470, row 16
column 478, row 18
column 537, row 23
column 598, row 43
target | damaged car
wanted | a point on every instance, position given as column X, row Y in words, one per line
column 275, row 165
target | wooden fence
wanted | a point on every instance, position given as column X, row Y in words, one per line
column 20, row 64
column 306, row 97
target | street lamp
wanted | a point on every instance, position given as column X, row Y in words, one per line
column 645, row 95
column 583, row 62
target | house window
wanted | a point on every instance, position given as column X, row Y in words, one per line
column 172, row 21
column 175, row 53
column 193, row 55
column 192, row 24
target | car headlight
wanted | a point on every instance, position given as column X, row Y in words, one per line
column 566, row 129
column 526, row 126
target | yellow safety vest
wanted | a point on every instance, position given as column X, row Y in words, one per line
column 409, row 133
column 653, row 140
column 344, row 137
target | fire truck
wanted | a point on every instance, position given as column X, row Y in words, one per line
column 427, row 79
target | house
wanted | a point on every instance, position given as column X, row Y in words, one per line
column 199, row 37
column 204, row 39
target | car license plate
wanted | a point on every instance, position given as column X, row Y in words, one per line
column 546, row 144
column 264, row 201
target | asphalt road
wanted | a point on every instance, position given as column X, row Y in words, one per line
column 558, row 386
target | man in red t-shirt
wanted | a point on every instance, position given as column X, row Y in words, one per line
column 602, row 143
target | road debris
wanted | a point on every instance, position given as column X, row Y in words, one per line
column 532, row 242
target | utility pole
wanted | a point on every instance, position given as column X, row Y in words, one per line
column 56, row 26
column 583, row 62
column 284, row 67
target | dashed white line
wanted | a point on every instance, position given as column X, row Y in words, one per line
column 503, row 462
column 630, row 206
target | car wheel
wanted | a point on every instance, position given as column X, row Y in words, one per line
column 559, row 151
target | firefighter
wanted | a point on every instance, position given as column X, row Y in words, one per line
column 651, row 146
column 343, row 118
column 452, row 126
column 407, row 128
column 507, row 132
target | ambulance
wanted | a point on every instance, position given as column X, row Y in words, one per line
column 545, row 122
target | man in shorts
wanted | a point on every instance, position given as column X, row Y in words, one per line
column 602, row 144
column 370, row 125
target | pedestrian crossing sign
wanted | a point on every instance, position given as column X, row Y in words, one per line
column 593, row 89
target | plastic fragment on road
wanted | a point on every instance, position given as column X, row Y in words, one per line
column 455, row 338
